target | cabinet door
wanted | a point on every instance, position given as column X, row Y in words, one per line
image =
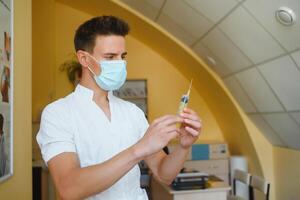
column 216, row 195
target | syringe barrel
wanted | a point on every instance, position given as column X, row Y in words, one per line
column 184, row 99
column 183, row 103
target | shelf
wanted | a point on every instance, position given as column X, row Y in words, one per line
column 133, row 97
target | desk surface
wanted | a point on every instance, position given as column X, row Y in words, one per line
column 39, row 163
column 213, row 187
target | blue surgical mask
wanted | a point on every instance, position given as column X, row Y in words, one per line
column 113, row 74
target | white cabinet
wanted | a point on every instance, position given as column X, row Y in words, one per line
column 216, row 191
column 218, row 167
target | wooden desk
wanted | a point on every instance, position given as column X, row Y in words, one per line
column 217, row 191
column 45, row 183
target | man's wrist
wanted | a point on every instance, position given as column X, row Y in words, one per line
column 137, row 152
column 182, row 148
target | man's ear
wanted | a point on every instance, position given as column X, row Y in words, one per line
column 87, row 61
column 83, row 58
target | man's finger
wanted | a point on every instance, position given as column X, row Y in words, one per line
column 169, row 129
column 195, row 124
column 192, row 131
column 160, row 119
column 171, row 120
column 189, row 111
column 190, row 116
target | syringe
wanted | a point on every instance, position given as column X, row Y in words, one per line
column 184, row 99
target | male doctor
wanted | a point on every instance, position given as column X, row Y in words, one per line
column 93, row 141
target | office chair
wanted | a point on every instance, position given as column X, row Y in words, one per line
column 260, row 184
column 239, row 176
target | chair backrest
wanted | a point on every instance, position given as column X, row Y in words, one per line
column 261, row 185
column 242, row 177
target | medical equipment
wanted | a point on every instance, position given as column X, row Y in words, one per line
column 184, row 99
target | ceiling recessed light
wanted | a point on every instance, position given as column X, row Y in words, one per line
column 285, row 16
column 211, row 60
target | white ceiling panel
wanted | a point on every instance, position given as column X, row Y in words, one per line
column 212, row 9
column 7, row 3
column 241, row 97
column 296, row 116
column 250, row 37
column 296, row 57
column 258, row 90
column 245, row 45
column 226, row 51
column 264, row 11
column 176, row 30
column 286, row 127
column 284, row 78
column 267, row 130
column 155, row 3
column 190, row 20
column 148, row 8
column 211, row 60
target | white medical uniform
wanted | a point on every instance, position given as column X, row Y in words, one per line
column 77, row 124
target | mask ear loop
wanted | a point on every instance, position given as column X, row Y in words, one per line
column 89, row 66
column 91, row 71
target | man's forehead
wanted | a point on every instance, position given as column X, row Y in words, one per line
column 110, row 44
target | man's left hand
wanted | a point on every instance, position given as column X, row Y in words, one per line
column 190, row 129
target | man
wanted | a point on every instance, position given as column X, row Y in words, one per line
column 2, row 148
column 92, row 141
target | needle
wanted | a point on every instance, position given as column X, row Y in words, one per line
column 188, row 93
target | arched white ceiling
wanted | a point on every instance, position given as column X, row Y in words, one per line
column 256, row 57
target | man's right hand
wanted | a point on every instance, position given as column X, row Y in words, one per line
column 158, row 135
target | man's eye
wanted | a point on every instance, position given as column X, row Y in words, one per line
column 109, row 57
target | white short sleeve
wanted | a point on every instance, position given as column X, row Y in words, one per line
column 55, row 135
column 141, row 121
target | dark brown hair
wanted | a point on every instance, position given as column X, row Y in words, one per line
column 103, row 25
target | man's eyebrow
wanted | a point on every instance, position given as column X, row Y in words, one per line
column 113, row 54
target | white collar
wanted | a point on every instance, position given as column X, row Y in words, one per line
column 88, row 93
